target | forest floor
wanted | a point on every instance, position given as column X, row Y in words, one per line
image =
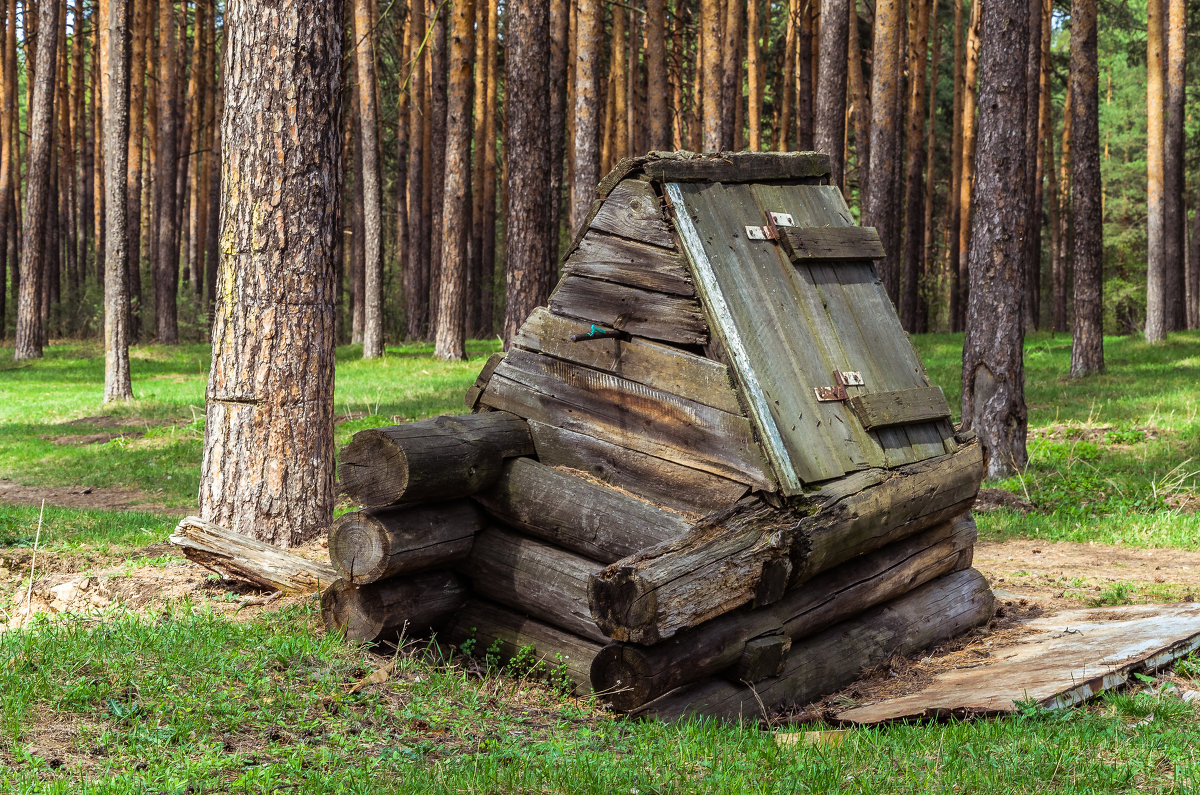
column 126, row 668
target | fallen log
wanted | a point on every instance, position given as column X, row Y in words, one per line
column 240, row 557
column 754, row 553
column 544, row 581
column 755, row 641
column 570, row 512
column 833, row 659
column 488, row 626
column 377, row 543
column 436, row 459
column 385, row 610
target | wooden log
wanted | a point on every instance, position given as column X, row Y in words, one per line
column 805, row 167
column 570, row 512
column 903, row 407
column 377, row 543
column 644, row 313
column 241, row 557
column 805, row 244
column 627, row 414
column 544, row 581
column 384, row 610
column 632, row 211
column 644, row 362
column 488, row 625
column 615, row 259
column 657, row 479
column 753, row 552
column 938, row 610
column 636, row 674
column 436, row 459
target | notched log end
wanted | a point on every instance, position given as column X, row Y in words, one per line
column 372, row 470
column 623, row 604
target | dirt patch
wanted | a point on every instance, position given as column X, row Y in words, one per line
column 993, row 499
column 94, row 498
column 1096, row 434
column 105, row 422
column 91, row 438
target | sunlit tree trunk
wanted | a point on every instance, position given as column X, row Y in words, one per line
column 657, row 94
column 881, row 190
column 372, row 199
column 967, row 173
column 117, row 384
column 830, row 129
column 862, row 100
column 914, row 180
column 1174, row 156
column 588, row 68
column 1156, row 251
column 1087, row 343
column 416, row 275
column 166, row 271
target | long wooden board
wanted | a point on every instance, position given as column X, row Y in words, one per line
column 615, row 259
column 1068, row 658
column 902, row 407
column 646, row 313
column 659, row 366
column 632, row 211
column 832, row 243
column 628, row 414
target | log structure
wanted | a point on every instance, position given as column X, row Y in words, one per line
column 709, row 477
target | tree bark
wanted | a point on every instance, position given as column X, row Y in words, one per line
column 657, row 95
column 993, row 381
column 929, row 248
column 267, row 469
column 862, row 101
column 966, row 179
column 804, row 77
column 1174, row 156
column 371, row 545
column 8, row 110
column 530, row 252
column 437, row 153
column 1061, row 264
column 388, row 610
column 166, row 256
column 133, row 180
column 618, row 130
column 954, row 197
column 1087, row 341
column 588, row 68
column 488, row 299
column 885, row 138
column 710, row 72
column 117, row 384
column 30, row 329
column 1156, row 252
column 731, row 75
column 831, row 86
column 369, row 177
column 1033, row 146
column 914, row 185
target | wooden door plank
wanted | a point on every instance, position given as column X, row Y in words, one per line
column 632, row 211
column 659, row 316
column 659, row 366
column 832, row 243
column 628, row 414
column 615, row 259
column 900, row 407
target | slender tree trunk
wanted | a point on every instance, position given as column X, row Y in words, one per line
column 754, row 72
column 211, row 257
column 67, row 77
column 862, row 101
column 618, row 129
column 711, row 72
column 731, row 73
column 530, row 256
column 588, row 68
column 993, row 396
column 8, row 114
column 1087, row 342
column 437, row 152
column 166, row 271
column 37, row 192
column 657, row 94
column 1033, row 237
column 479, row 134
column 881, row 190
column 267, row 470
column 1156, row 251
column 953, row 190
column 450, row 337
column 1061, row 264
column 831, row 85
column 117, row 384
column 133, row 173
column 914, row 232
column 356, row 256
column 416, row 275
column 487, row 317
column 197, row 186
column 559, row 41
column 787, row 78
column 1174, row 212
column 804, row 77
column 967, row 174
column 929, row 246
column 368, row 122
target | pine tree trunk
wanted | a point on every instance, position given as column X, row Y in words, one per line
column 731, row 77
column 1033, row 236
column 881, row 191
column 267, row 470
column 559, row 41
column 487, row 322
column 1174, row 156
column 478, row 135
column 1156, row 251
column 117, row 384
column 450, row 338
column 211, row 258
column 929, row 246
column 1061, row 265
column 530, row 256
column 1087, row 342
column 166, row 265
column 804, row 78
column 437, row 152
column 588, row 68
column 618, row 129
column 831, row 86
column 914, row 231
column 954, row 194
column 133, row 178
column 967, row 175
column 786, row 91
column 368, row 123
column 862, row 102
column 37, row 192
column 993, row 396
column 8, row 112
column 657, row 95
column 416, row 275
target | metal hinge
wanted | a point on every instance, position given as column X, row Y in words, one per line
column 837, row 392
column 771, row 230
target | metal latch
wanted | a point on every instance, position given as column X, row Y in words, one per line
column 837, row 392
column 771, row 230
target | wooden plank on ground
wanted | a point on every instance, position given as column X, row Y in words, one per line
column 737, row 167
column 615, row 259
column 1067, row 658
column 659, row 316
column 832, row 243
column 901, row 407
column 628, row 414
column 659, row 366
column 634, row 212
column 656, row 479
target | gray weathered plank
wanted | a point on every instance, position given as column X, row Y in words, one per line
column 628, row 414
column 659, row 366
column 615, row 259
column 900, row 407
column 476, row 389
column 737, row 167
column 832, row 243
column 633, row 211
column 659, row 316
column 657, row 479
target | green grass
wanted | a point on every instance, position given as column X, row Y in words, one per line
column 187, row 699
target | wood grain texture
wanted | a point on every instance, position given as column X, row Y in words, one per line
column 645, row 313
column 653, row 364
column 633, row 211
column 240, row 557
column 481, row 380
column 665, row 482
column 627, row 414
column 385, row 610
column 903, row 407
column 374, row 544
column 580, row 516
column 825, row 663
column 615, row 259
column 831, row 243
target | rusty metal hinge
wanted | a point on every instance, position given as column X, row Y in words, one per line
column 837, row 392
column 771, row 230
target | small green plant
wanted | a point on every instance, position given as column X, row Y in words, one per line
column 1118, row 593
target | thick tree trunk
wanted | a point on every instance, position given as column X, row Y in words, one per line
column 831, row 86
column 267, row 469
column 881, row 190
column 993, row 380
column 557, row 86
column 117, row 384
column 30, row 329
column 588, row 68
column 530, row 245
column 914, row 180
column 369, row 178
column 1087, row 341
column 1174, row 155
column 1156, row 251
